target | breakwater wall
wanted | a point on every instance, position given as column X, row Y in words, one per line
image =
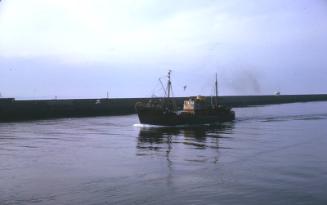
column 16, row 110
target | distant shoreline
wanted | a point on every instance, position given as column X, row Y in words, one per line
column 20, row 110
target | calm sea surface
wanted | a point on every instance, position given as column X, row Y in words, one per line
column 269, row 155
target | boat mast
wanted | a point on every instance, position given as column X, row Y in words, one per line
column 216, row 90
column 168, row 84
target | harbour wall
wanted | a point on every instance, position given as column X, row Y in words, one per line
column 17, row 110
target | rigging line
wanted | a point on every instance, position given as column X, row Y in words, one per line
column 163, row 87
column 156, row 89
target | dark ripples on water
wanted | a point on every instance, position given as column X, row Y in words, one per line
column 269, row 155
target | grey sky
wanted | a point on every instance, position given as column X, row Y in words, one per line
column 81, row 48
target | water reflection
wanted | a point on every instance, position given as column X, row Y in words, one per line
column 161, row 140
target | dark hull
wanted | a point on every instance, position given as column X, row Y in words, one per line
column 164, row 118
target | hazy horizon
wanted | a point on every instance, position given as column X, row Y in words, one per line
column 84, row 49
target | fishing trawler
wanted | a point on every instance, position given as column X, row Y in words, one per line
column 196, row 110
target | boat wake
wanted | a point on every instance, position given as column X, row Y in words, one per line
column 146, row 125
column 180, row 126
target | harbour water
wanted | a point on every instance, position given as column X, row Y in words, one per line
column 270, row 155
